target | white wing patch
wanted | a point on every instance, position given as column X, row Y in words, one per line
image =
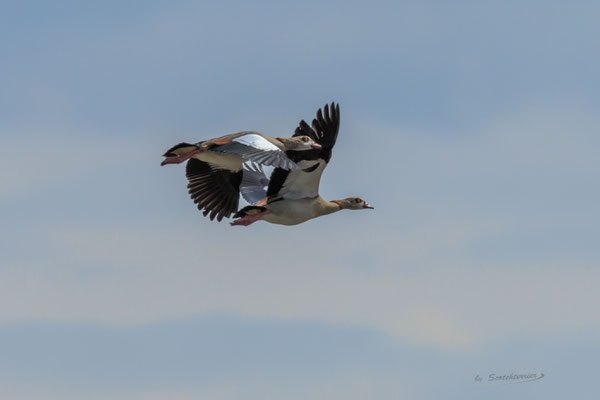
column 254, row 183
column 256, row 141
column 300, row 184
column 255, row 148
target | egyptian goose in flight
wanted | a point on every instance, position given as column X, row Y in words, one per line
column 215, row 167
column 292, row 196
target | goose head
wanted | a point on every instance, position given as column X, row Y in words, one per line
column 299, row 143
column 353, row 203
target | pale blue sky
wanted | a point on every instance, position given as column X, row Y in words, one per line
column 471, row 127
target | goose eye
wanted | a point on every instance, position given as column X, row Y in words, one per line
column 357, row 200
column 304, row 139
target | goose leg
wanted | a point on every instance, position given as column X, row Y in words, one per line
column 249, row 219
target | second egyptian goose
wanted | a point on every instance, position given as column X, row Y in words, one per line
column 296, row 211
column 292, row 196
column 215, row 166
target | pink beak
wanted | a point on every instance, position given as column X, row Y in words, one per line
column 368, row 206
column 315, row 146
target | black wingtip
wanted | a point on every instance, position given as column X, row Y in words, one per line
column 215, row 192
column 170, row 152
column 331, row 112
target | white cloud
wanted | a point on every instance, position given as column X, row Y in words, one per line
column 346, row 385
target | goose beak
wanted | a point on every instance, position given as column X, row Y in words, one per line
column 368, row 206
column 315, row 146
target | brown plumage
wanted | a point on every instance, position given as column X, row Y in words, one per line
column 214, row 167
column 293, row 197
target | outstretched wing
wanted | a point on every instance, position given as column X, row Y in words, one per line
column 214, row 190
column 254, row 183
column 324, row 131
column 305, row 182
column 255, row 147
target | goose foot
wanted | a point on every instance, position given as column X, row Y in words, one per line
column 249, row 219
